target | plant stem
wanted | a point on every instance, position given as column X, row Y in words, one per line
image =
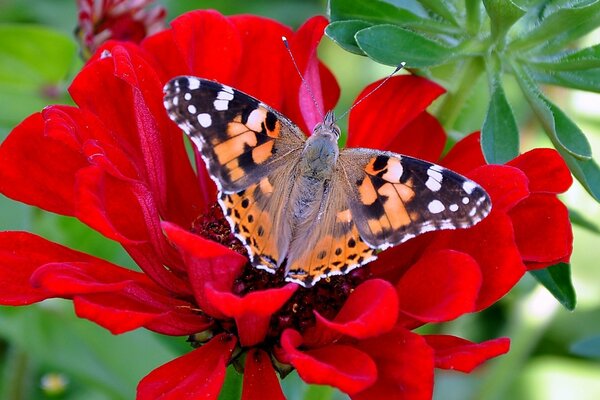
column 454, row 102
column 17, row 375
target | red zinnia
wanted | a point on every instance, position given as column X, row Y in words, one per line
column 118, row 164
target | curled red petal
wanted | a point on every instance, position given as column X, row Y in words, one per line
column 338, row 365
column 394, row 113
column 404, row 367
column 46, row 183
column 546, row 170
column 370, row 310
column 207, row 262
column 196, row 375
column 543, row 230
column 506, row 185
column 252, row 312
column 462, row 355
column 260, row 381
column 465, row 155
column 441, row 286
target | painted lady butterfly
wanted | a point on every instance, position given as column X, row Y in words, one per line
column 303, row 204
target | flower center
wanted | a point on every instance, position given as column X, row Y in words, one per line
column 327, row 297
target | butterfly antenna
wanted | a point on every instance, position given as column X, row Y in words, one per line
column 306, row 85
column 398, row 68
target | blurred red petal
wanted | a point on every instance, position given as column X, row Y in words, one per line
column 252, row 312
column 208, row 263
column 260, row 381
column 423, row 138
column 370, row 310
column 404, row 367
column 505, row 185
column 338, row 365
column 542, row 228
column 462, row 355
column 210, row 45
column 465, row 155
column 196, row 375
column 545, row 169
column 441, row 286
column 377, row 121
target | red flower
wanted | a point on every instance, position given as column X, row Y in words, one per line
column 102, row 20
column 118, row 164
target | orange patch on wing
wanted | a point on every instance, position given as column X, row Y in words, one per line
column 265, row 186
column 367, row 192
column 276, row 131
column 405, row 191
column 234, row 147
column 261, row 153
column 236, row 128
column 394, row 207
column 344, row 216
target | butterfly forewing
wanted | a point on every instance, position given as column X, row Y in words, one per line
column 395, row 198
column 240, row 139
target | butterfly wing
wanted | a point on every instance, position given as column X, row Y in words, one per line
column 249, row 148
column 394, row 198
column 332, row 245
column 240, row 139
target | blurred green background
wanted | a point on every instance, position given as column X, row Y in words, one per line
column 46, row 352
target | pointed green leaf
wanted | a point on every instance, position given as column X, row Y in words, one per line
column 587, row 173
column 588, row 347
column 557, row 279
column 588, row 80
column 584, row 59
column 445, row 9
column 342, row 32
column 499, row 134
column 562, row 131
column 563, row 24
column 376, row 11
column 503, row 14
column 391, row 45
column 578, row 219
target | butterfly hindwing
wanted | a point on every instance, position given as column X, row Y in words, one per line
column 240, row 139
column 395, row 198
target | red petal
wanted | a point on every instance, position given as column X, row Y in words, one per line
column 491, row 243
column 441, row 286
column 342, row 366
column 404, row 367
column 208, row 263
column 461, row 355
column 260, row 381
column 543, row 230
column 377, row 121
column 261, row 43
column 465, row 155
column 506, row 185
column 210, row 45
column 370, row 310
column 196, row 375
column 546, row 170
column 252, row 312
column 48, row 182
column 423, row 138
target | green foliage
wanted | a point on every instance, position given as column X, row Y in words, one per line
column 531, row 40
column 557, row 279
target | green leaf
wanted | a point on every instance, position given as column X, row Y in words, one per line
column 557, row 279
column 499, row 134
column 563, row 25
column 587, row 173
column 232, row 387
column 444, row 9
column 561, row 130
column 391, row 45
column 319, row 392
column 588, row 347
column 578, row 219
column 503, row 14
column 588, row 80
column 342, row 32
column 581, row 60
column 34, row 62
column 376, row 11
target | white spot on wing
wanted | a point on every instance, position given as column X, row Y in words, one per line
column 469, row 186
column 221, row 105
column 223, row 95
column 205, row 120
column 434, row 182
column 192, row 109
column 187, row 96
column 436, row 207
column 193, row 83
column 453, row 207
column 465, row 200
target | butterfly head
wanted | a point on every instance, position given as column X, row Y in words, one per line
column 327, row 128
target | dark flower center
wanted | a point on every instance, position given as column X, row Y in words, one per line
column 327, row 297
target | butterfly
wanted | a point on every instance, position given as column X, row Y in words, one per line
column 302, row 203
